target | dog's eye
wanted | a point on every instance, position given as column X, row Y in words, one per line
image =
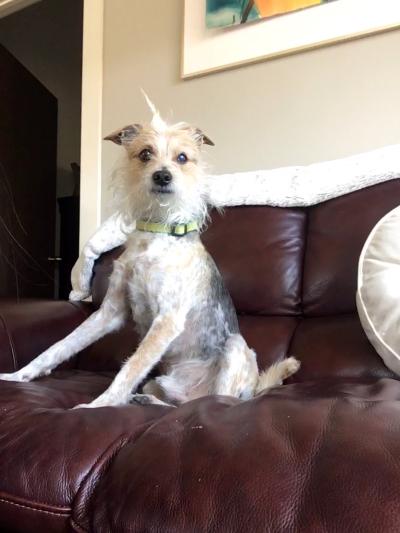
column 145, row 155
column 182, row 158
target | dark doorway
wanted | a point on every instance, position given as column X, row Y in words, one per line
column 28, row 167
column 40, row 110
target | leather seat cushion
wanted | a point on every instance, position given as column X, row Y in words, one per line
column 297, row 448
column 292, row 460
column 47, row 450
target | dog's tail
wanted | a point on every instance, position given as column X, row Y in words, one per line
column 277, row 373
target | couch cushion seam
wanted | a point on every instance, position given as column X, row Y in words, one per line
column 36, row 509
column 76, row 526
column 292, row 336
column 304, row 260
column 106, row 457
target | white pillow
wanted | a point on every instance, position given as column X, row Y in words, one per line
column 378, row 295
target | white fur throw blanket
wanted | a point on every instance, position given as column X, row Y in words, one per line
column 282, row 187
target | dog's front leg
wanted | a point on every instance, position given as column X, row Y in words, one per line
column 94, row 327
column 109, row 317
column 164, row 329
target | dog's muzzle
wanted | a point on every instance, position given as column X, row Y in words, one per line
column 162, row 180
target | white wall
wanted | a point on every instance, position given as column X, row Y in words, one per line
column 313, row 106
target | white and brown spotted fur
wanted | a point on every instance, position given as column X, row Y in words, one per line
column 182, row 310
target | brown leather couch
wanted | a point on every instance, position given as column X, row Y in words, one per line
column 320, row 454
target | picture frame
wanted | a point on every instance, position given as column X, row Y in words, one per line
column 210, row 50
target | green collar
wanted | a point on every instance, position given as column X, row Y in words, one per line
column 177, row 230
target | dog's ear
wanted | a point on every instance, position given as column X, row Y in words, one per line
column 203, row 139
column 125, row 135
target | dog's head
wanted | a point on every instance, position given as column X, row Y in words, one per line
column 163, row 178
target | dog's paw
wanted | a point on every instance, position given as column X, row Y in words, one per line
column 101, row 401
column 28, row 373
column 147, row 399
column 84, row 406
column 14, row 376
column 141, row 399
column 291, row 366
column 78, row 295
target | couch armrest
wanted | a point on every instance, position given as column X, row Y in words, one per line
column 30, row 326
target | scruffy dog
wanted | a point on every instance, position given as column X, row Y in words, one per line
column 170, row 284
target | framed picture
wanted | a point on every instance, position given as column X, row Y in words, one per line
column 220, row 34
column 222, row 13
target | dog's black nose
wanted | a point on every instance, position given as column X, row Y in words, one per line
column 162, row 177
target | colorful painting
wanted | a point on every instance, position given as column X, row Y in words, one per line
column 222, row 13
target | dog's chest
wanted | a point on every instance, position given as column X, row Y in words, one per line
column 158, row 273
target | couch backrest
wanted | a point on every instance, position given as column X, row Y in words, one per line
column 297, row 261
column 284, row 267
